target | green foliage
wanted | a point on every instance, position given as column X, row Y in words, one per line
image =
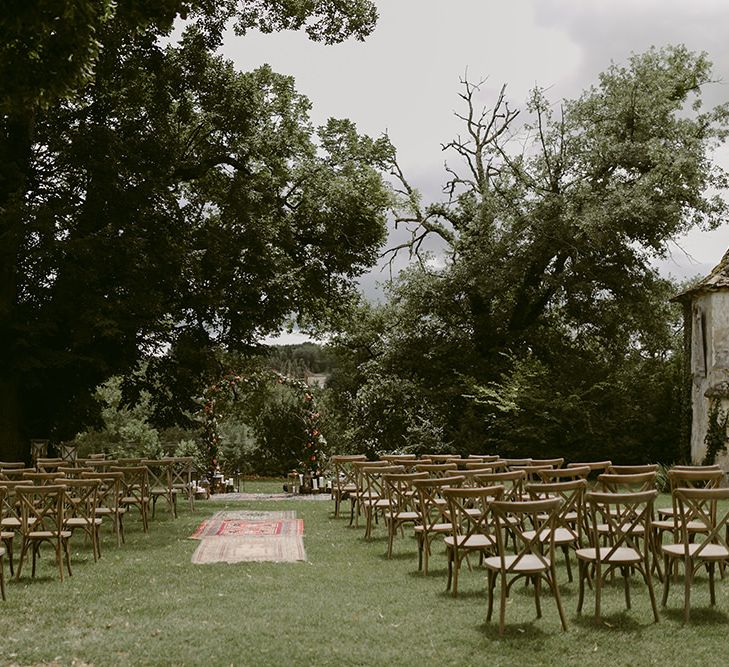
column 155, row 198
column 546, row 330
column 126, row 431
column 717, row 432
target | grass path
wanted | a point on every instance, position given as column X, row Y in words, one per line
column 147, row 604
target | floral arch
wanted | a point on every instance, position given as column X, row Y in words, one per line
column 219, row 394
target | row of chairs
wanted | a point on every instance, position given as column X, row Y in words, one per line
column 47, row 503
column 607, row 521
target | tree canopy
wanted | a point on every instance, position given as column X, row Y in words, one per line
column 544, row 327
column 153, row 198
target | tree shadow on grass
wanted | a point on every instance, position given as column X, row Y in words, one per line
column 622, row 621
column 697, row 616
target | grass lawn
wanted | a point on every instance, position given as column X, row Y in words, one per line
column 146, row 604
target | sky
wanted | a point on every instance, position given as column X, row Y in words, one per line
column 404, row 79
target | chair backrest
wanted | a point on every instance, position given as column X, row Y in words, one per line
column 469, row 510
column 48, row 464
column 563, row 474
column 486, row 458
column 358, row 466
column 135, row 483
column 511, row 518
column 398, row 488
column 702, row 506
column 431, row 502
column 373, row 482
column 72, row 473
column 495, row 466
column 12, row 508
column 160, row 473
column 344, row 470
column 181, row 469
column 512, row 481
column 101, row 465
column 554, row 463
column 569, row 513
column 470, row 476
column 10, row 465
column 110, row 489
column 435, row 469
column 129, row 461
column 81, row 497
column 11, row 474
column 517, row 462
column 696, row 478
column 622, row 518
column 398, row 458
column 632, row 469
column 436, row 458
column 41, row 507
column 532, row 470
column 630, row 482
column 42, row 478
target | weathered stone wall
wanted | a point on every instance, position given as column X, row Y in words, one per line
column 709, row 365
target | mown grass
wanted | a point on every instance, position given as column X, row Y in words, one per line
column 147, row 604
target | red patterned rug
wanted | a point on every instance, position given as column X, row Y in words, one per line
column 234, row 537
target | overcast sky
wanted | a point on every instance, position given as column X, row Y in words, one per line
column 404, row 79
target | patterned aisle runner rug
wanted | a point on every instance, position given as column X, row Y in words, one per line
column 240, row 536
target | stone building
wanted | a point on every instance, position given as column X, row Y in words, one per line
column 706, row 317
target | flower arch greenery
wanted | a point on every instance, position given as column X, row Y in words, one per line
column 233, row 386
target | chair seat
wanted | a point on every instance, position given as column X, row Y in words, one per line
column 561, row 536
column 471, row 541
column 47, row 534
column 106, row 511
column 79, row 521
column 7, row 535
column 709, row 552
column 669, row 524
column 604, row 528
column 622, row 555
column 132, row 500
column 528, row 563
column 164, row 492
column 435, row 528
column 665, row 512
column 402, row 516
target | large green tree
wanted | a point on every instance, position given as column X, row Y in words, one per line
column 545, row 326
column 153, row 198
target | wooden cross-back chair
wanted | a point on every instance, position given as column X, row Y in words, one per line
column 41, row 520
column 622, row 520
column 434, row 520
column 3, row 493
column 344, row 481
column 80, row 503
column 493, row 466
column 108, row 500
column 533, row 557
column 697, row 548
column 182, row 469
column 14, row 474
column 402, row 504
column 436, row 458
column 49, row 464
column 374, row 500
column 632, row 469
column 569, row 521
column 512, row 480
column 10, row 517
column 41, row 478
column 160, row 484
column 357, row 498
column 135, row 490
column 472, row 530
column 435, row 469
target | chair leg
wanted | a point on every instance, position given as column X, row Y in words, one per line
column 649, row 582
column 2, row 579
column 502, row 610
column 711, row 583
column 491, row 585
column 626, row 584
column 566, row 551
column 537, row 590
column 666, row 579
column 23, row 551
column 67, row 550
column 688, row 576
column 581, row 567
column 598, row 590
column 552, row 581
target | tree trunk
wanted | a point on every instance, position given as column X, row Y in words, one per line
column 13, row 446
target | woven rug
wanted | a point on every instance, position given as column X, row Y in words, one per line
column 250, row 522
column 270, row 496
column 238, row 536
